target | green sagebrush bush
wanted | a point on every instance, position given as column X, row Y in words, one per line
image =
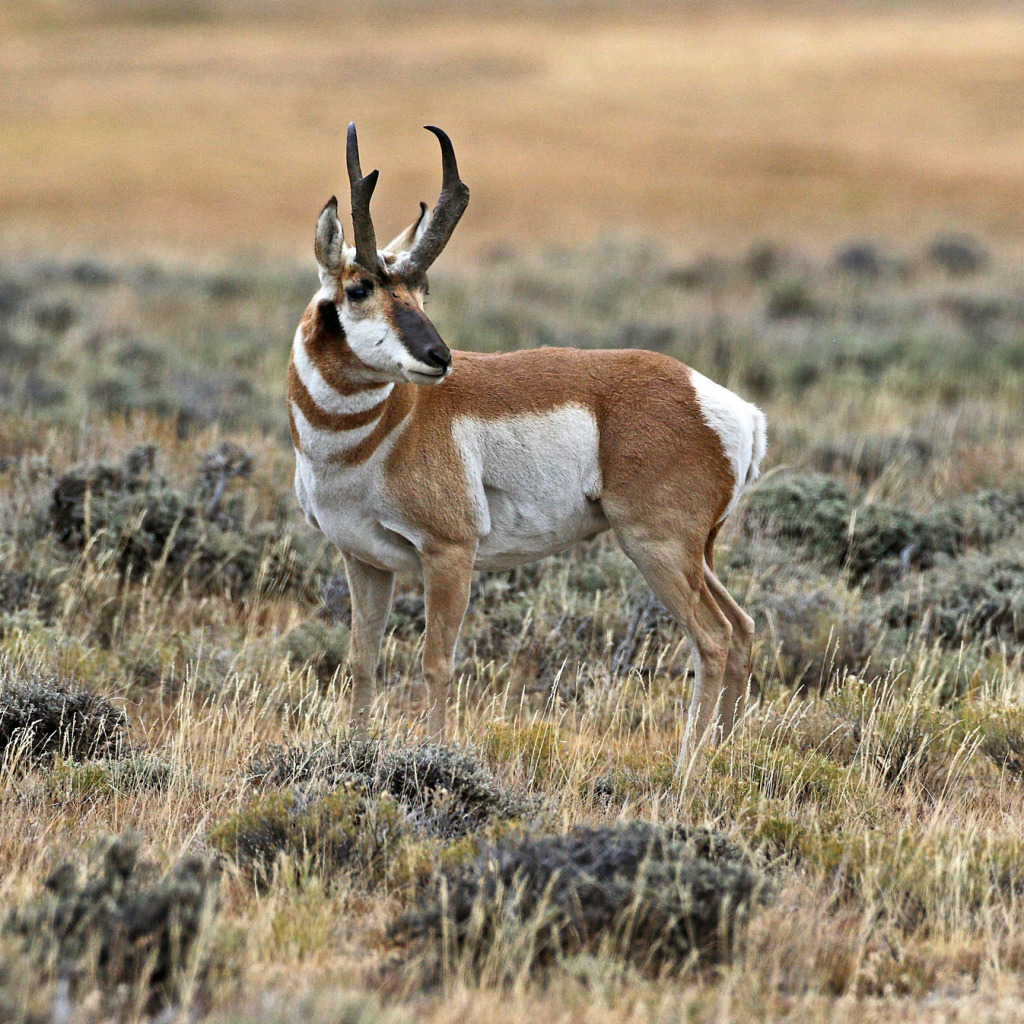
column 445, row 791
column 319, row 646
column 48, row 717
column 130, row 514
column 651, row 894
column 977, row 597
column 336, row 833
column 121, row 922
column 878, row 540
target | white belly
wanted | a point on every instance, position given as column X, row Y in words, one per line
column 534, row 482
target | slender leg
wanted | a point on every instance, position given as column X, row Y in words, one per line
column 675, row 572
column 371, row 603
column 447, row 575
column 737, row 668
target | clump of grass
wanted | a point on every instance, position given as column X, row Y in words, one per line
column 789, row 300
column 655, row 895
column 446, row 791
column 47, row 717
column 342, row 832
column 778, row 772
column 136, row 772
column 818, row 633
column 533, row 751
column 867, row 458
column 908, row 878
column 902, row 736
column 119, row 923
column 1000, row 733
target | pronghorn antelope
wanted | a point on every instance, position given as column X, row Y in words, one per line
column 413, row 457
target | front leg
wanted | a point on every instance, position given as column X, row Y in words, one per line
column 447, row 576
column 371, row 590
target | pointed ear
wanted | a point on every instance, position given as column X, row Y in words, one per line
column 329, row 244
column 411, row 235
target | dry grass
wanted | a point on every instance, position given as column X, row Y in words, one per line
column 217, row 127
column 887, row 810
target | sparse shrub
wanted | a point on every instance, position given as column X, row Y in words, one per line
column 131, row 514
column 318, row 646
column 120, row 924
column 958, row 255
column 790, row 300
column 877, row 540
column 47, row 717
column 652, row 894
column 975, row 598
column 342, row 831
column 446, row 791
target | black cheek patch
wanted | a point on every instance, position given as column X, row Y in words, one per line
column 328, row 314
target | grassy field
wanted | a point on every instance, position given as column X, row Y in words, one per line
column 217, row 128
column 868, row 850
column 191, row 834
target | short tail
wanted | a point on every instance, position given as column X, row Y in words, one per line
column 758, row 448
column 748, row 453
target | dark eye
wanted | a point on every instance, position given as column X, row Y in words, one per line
column 357, row 292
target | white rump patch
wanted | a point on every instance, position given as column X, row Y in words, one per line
column 741, row 427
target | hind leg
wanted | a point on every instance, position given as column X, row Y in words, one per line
column 737, row 668
column 675, row 571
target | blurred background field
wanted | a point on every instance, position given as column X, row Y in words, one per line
column 209, row 127
column 817, row 207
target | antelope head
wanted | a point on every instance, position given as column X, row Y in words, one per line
column 378, row 294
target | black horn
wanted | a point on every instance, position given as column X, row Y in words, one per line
column 361, row 190
column 450, row 206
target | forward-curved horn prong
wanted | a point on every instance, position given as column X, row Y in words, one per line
column 450, row 206
column 361, row 191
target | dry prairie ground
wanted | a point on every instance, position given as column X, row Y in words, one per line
column 869, row 861
column 217, row 127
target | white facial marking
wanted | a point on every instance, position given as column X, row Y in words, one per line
column 324, row 395
column 533, row 481
column 376, row 343
column 741, row 427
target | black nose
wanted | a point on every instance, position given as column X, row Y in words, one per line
column 438, row 355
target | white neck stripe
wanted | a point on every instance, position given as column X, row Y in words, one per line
column 322, row 444
column 323, row 395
